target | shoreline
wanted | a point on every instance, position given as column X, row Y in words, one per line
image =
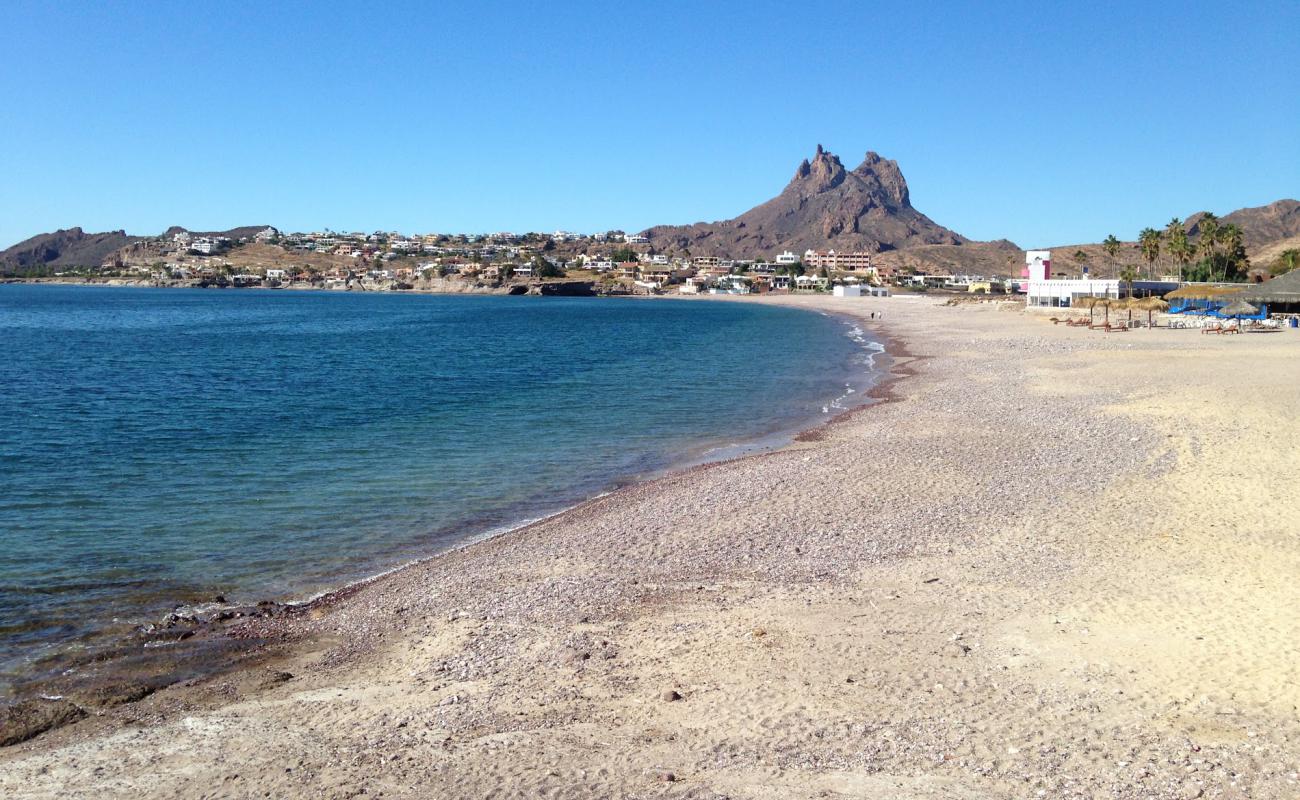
column 967, row 593
column 198, row 627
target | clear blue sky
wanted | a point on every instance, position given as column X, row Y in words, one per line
column 1047, row 123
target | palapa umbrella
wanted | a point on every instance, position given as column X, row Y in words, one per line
column 1106, row 303
column 1125, row 304
column 1238, row 309
column 1085, row 302
column 1151, row 305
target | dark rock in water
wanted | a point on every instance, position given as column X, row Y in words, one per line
column 566, row 289
column 31, row 718
column 117, row 694
column 221, row 598
column 166, row 635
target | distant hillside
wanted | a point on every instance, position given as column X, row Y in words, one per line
column 1260, row 226
column 76, row 248
column 243, row 232
column 64, row 248
column 1266, row 231
column 973, row 258
column 824, row 206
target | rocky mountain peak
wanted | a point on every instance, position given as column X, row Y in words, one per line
column 884, row 175
column 823, row 206
column 822, row 174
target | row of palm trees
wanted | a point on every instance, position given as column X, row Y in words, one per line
column 1220, row 247
column 1218, row 253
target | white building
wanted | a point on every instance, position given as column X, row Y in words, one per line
column 730, row 284
column 847, row 290
column 1062, row 293
column 787, row 258
column 810, row 283
column 205, row 245
column 1042, row 290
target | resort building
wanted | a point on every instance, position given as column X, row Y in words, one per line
column 730, row 284
column 654, row 275
column 811, row 283
column 831, row 260
column 1041, row 289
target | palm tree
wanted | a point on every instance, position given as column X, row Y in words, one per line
column 1178, row 248
column 1149, row 243
column 1231, row 237
column 1127, row 276
column 1081, row 258
column 1209, row 241
column 1111, row 246
column 1287, row 261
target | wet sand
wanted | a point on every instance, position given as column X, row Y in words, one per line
column 1056, row 563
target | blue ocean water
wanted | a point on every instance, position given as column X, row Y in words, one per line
column 159, row 446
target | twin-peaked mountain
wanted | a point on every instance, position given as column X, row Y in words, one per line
column 824, row 206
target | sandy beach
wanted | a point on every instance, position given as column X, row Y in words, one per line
column 1051, row 562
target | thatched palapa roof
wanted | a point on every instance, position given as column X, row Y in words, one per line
column 1238, row 307
column 1203, row 291
column 1282, row 289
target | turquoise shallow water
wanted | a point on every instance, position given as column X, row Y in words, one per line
column 159, row 447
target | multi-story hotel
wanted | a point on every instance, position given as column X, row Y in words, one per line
column 829, row 259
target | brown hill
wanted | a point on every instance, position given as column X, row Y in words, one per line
column 1000, row 258
column 63, row 248
column 824, row 206
column 1266, row 230
column 242, row 232
column 1260, row 226
column 76, row 248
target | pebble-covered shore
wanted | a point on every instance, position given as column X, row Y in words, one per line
column 954, row 592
